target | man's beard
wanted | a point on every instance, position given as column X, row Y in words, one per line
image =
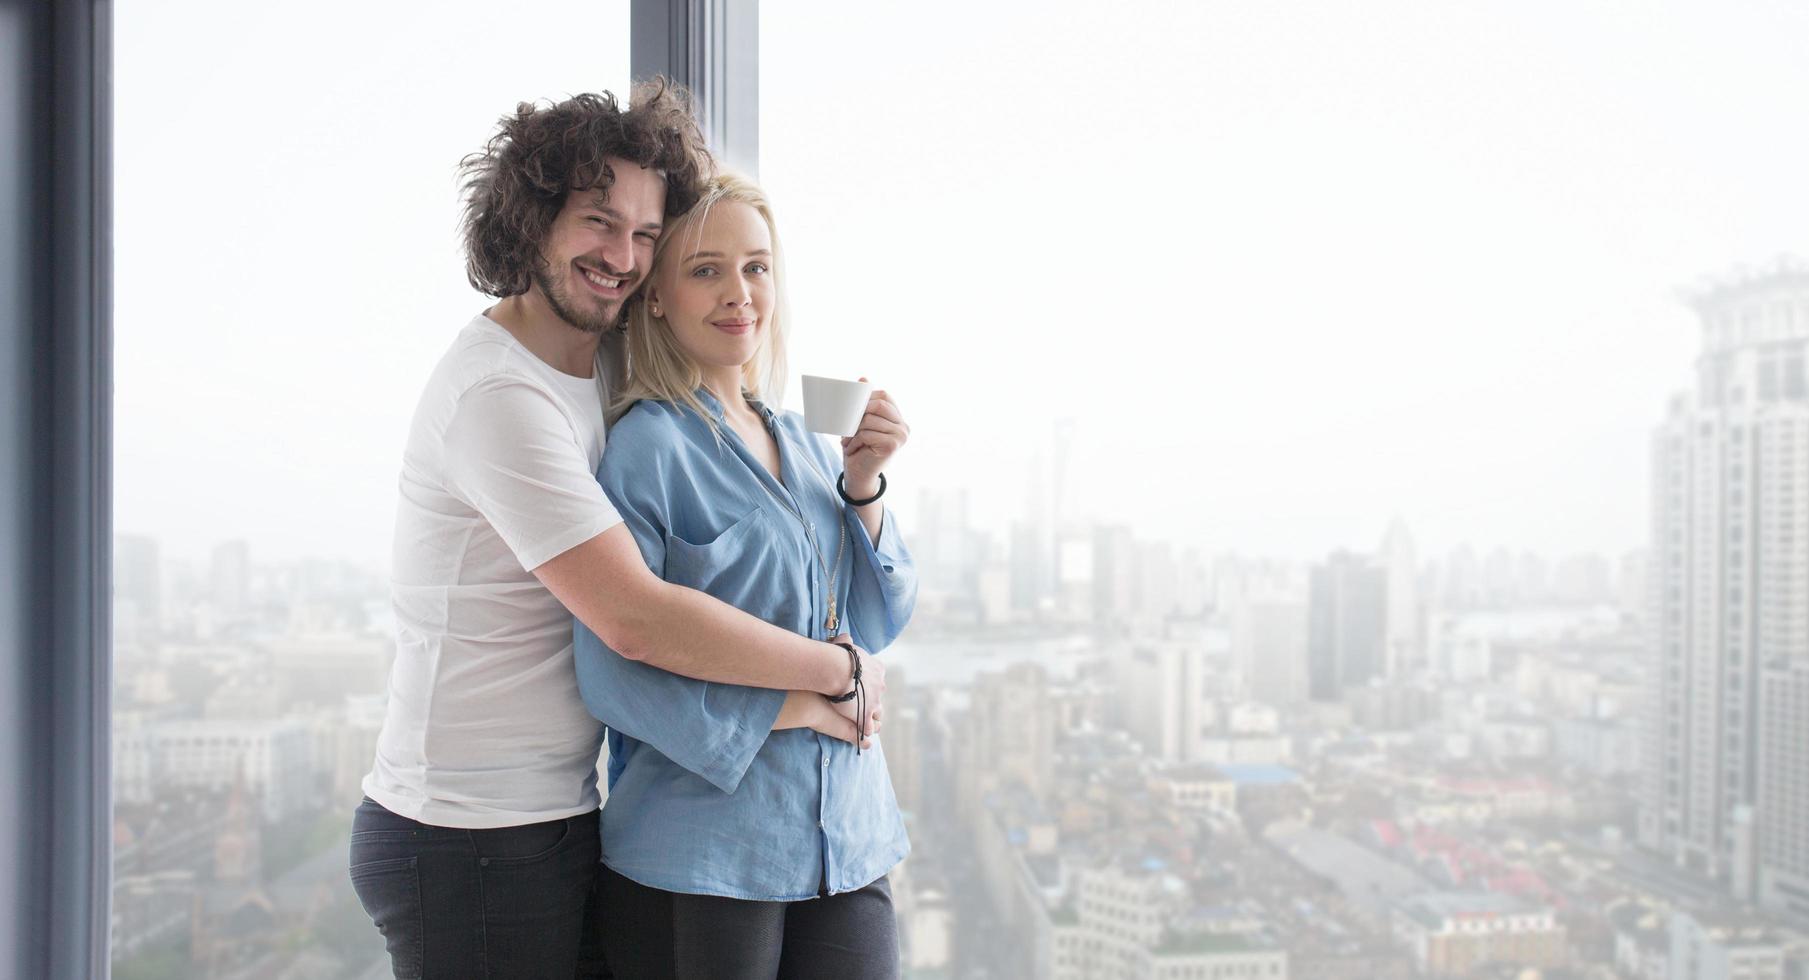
column 561, row 300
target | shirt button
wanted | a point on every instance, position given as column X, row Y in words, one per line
column 819, row 825
column 825, row 762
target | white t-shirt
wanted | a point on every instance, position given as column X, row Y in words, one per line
column 484, row 725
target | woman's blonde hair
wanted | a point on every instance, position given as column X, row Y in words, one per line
column 658, row 368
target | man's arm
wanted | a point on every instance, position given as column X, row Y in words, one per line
column 606, row 584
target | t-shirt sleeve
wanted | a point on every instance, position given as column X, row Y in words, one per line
column 513, row 456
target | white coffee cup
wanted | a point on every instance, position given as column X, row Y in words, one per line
column 833, row 406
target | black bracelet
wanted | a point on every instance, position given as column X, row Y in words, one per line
column 859, row 690
column 841, row 487
column 854, row 671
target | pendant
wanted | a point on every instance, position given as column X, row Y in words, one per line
column 830, row 624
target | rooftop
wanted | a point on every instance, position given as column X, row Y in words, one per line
column 1433, row 909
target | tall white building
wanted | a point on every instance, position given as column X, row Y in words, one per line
column 1724, row 947
column 1162, row 690
column 272, row 759
column 1726, row 787
column 1402, row 649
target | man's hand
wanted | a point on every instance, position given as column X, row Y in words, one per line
column 808, row 709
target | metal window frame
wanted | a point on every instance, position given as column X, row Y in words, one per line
column 56, row 521
column 711, row 47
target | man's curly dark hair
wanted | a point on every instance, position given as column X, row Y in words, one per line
column 516, row 185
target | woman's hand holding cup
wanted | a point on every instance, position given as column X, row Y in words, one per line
column 882, row 432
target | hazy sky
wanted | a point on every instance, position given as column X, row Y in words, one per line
column 1291, row 268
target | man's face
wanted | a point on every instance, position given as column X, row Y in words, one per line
column 600, row 246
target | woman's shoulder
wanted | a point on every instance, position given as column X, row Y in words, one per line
column 652, row 429
column 651, row 419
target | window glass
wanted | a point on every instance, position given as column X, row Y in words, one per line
column 287, row 272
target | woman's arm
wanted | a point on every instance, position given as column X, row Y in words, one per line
column 882, row 586
column 882, row 593
column 882, row 433
column 606, row 583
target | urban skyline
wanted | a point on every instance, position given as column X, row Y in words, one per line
column 1124, row 757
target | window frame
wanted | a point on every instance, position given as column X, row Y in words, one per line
column 55, row 689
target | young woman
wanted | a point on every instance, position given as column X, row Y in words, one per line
column 771, row 862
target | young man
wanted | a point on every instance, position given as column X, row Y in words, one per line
column 476, row 849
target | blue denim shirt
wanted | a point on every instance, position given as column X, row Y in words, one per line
column 704, row 798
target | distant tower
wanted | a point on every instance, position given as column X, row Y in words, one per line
column 230, row 577
column 1347, row 620
column 1403, row 651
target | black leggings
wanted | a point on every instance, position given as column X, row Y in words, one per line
column 650, row 934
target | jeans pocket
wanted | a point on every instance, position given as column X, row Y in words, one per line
column 390, row 891
column 511, row 846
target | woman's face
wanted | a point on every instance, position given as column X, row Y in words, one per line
column 715, row 287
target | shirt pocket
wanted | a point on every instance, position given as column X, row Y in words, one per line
column 725, row 565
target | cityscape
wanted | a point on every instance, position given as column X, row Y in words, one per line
column 1125, row 757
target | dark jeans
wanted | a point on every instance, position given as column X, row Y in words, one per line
column 491, row 904
column 659, row 935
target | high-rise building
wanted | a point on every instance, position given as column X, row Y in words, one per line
column 1007, row 736
column 1402, row 647
column 1347, row 623
column 137, row 591
column 1074, row 575
column 1783, row 810
column 138, row 574
column 1162, row 692
column 1193, row 584
column 1726, row 787
column 1115, row 585
column 230, row 575
column 1461, row 584
column 903, row 739
column 944, row 544
column 1031, row 561
column 1158, row 582
column 1269, row 646
column 1708, row 946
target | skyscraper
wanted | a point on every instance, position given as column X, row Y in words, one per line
column 1403, row 648
column 1269, row 646
column 230, row 575
column 1346, row 629
column 1727, row 732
